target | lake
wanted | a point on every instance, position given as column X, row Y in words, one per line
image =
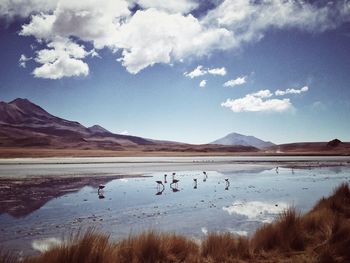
column 227, row 199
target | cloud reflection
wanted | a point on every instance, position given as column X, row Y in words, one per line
column 43, row 245
column 256, row 210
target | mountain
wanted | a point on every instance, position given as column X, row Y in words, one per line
column 23, row 123
column 240, row 139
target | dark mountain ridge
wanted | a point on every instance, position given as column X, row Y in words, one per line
column 24, row 123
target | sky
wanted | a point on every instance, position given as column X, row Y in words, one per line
column 183, row 70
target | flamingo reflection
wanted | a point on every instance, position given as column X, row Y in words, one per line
column 227, row 184
column 174, row 185
column 100, row 191
column 205, row 176
column 195, row 183
column 160, row 187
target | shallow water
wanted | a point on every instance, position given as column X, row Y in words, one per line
column 132, row 205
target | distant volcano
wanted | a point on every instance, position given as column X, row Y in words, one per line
column 240, row 139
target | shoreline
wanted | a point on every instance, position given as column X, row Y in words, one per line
column 30, row 168
column 10, row 152
column 174, row 159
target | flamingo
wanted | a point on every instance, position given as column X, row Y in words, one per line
column 165, row 181
column 100, row 191
column 277, row 170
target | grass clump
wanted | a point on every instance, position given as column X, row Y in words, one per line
column 321, row 235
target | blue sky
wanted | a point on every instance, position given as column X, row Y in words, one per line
column 130, row 66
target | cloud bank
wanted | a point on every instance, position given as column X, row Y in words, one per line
column 142, row 33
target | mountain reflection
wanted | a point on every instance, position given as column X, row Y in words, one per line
column 20, row 197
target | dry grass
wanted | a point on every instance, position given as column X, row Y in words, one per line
column 321, row 235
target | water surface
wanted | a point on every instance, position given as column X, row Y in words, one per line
column 240, row 204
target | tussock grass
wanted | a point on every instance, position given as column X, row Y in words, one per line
column 321, row 235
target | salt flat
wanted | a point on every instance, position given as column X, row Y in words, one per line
column 90, row 166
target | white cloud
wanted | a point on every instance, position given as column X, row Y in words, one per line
column 22, row 61
column 164, row 31
column 203, row 83
column 257, row 210
column 217, row 71
column 24, row 8
column 171, row 6
column 235, row 82
column 255, row 103
column 263, row 94
column 92, row 20
column 200, row 71
column 249, row 20
column 40, row 27
column 291, row 91
column 62, row 59
column 146, row 41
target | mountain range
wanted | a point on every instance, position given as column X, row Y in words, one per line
column 25, row 125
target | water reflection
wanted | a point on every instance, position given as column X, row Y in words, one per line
column 174, row 184
column 227, row 184
column 257, row 210
column 21, row 197
column 174, row 187
column 160, row 187
column 205, row 176
column 100, row 194
column 100, row 191
column 195, row 183
column 160, row 192
column 236, row 202
column 43, row 245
